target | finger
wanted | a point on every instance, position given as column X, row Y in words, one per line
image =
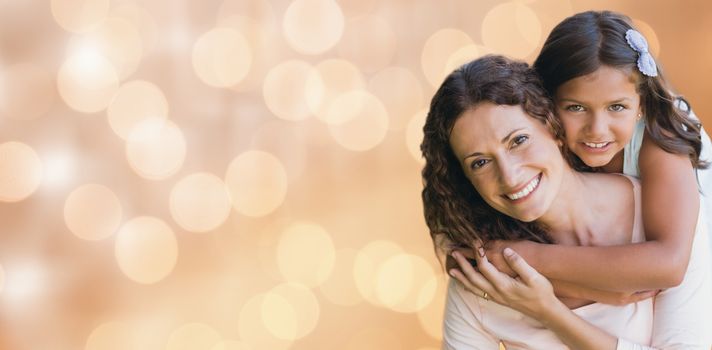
column 476, row 278
column 499, row 280
column 520, row 266
column 465, row 282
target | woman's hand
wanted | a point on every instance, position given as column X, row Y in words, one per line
column 529, row 292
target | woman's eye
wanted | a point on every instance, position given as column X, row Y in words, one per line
column 520, row 139
column 479, row 163
column 616, row 107
column 574, row 108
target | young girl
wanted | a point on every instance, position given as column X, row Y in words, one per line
column 619, row 116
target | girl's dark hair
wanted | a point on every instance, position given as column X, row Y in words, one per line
column 454, row 212
column 584, row 42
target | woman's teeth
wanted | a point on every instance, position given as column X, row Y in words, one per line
column 526, row 191
column 595, row 145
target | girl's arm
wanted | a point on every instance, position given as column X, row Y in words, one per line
column 670, row 204
column 532, row 294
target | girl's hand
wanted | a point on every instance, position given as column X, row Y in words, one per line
column 495, row 248
column 529, row 292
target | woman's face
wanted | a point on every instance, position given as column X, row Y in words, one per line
column 510, row 158
column 599, row 112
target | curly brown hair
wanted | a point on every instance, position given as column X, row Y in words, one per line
column 455, row 213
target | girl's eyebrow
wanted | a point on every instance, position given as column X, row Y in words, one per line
column 622, row 99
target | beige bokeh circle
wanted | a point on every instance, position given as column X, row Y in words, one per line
column 414, row 135
column 2, row 278
column 464, row 55
column 193, row 336
column 257, row 183
column 26, row 91
column 305, row 254
column 374, row 338
column 222, row 57
column 141, row 20
column 134, row 102
column 290, row 88
column 200, row 202
column 116, row 39
column 290, row 311
column 369, row 42
column 79, row 15
column 92, row 212
column 112, row 336
column 512, row 28
column 362, row 120
column 401, row 283
column 340, row 288
column 87, row 81
column 155, row 148
column 401, row 93
column 438, row 49
column 252, row 328
column 366, row 266
column 313, row 26
column 430, row 316
column 334, row 77
column 21, row 171
column 146, row 249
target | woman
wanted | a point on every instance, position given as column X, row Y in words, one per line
column 494, row 170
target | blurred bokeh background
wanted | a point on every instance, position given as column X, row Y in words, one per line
column 239, row 174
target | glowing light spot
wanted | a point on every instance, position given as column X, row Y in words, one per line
column 20, row 171
column 141, row 20
column 363, row 120
column 414, row 135
column 650, row 36
column 26, row 91
column 287, row 88
column 134, row 102
column 87, row 81
column 305, row 254
column 112, row 336
column 465, row 55
column 79, row 15
column 193, row 336
column 200, row 202
column 512, row 29
column 369, row 42
column 252, row 328
column 156, row 149
column 115, row 39
column 146, row 250
column 313, row 26
column 368, row 261
column 340, row 288
column 437, row 51
column 257, row 183
column 290, row 311
column 334, row 77
column 401, row 94
column 59, row 168
column 432, row 298
column 92, row 212
column 400, row 281
column 25, row 282
column 222, row 57
column 2, row 278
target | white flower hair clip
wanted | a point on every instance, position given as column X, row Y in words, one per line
column 646, row 62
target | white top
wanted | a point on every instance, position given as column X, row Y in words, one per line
column 682, row 318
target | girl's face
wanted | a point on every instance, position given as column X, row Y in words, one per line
column 599, row 112
column 510, row 158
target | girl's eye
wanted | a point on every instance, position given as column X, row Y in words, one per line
column 478, row 163
column 520, row 139
column 616, row 107
column 574, row 108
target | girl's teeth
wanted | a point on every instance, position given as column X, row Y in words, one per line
column 595, row 145
column 526, row 191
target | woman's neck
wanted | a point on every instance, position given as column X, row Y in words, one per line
column 571, row 218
